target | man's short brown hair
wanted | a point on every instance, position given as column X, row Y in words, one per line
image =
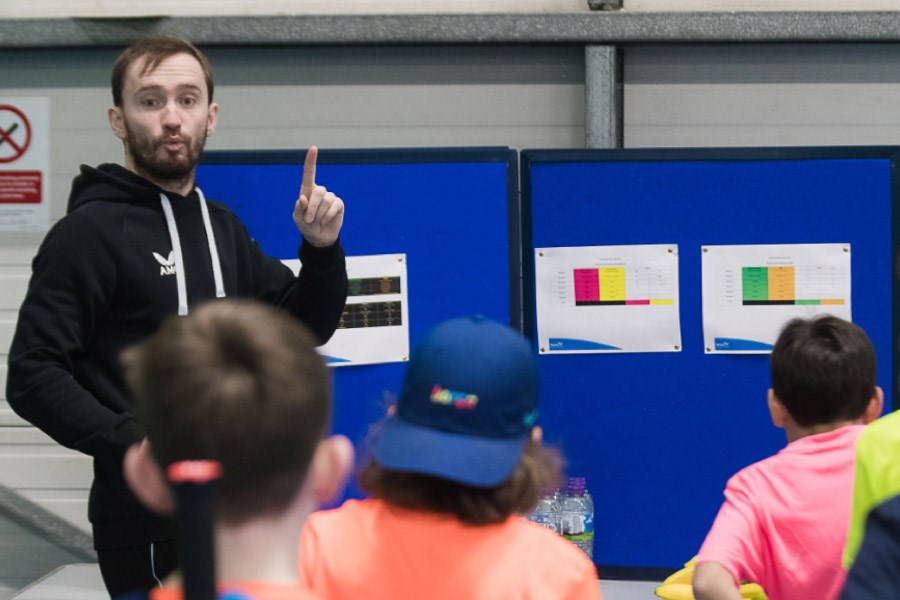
column 154, row 50
column 240, row 383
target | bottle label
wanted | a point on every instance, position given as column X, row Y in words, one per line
column 577, row 524
column 544, row 521
column 580, row 537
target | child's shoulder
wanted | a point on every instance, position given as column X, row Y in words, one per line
column 525, row 534
column 883, row 430
column 752, row 475
column 821, row 455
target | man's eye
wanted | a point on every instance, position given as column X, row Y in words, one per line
column 189, row 101
column 149, row 102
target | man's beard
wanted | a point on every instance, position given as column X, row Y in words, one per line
column 145, row 156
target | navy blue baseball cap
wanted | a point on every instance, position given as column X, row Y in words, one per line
column 468, row 405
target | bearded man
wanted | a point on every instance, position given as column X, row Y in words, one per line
column 139, row 243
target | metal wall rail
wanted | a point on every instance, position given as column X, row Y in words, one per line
column 597, row 27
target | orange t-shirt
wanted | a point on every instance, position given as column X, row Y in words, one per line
column 249, row 590
column 369, row 549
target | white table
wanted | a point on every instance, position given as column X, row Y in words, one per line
column 83, row 582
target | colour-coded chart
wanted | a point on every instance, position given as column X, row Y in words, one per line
column 751, row 291
column 607, row 298
column 782, row 285
column 372, row 286
column 372, row 314
column 622, row 286
column 374, row 327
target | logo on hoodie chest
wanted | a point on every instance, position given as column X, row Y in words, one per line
column 166, row 265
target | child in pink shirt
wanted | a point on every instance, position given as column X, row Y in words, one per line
column 784, row 521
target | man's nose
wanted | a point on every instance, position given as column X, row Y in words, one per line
column 171, row 116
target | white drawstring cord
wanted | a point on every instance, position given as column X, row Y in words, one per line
column 176, row 250
column 213, row 250
column 179, row 260
column 153, row 566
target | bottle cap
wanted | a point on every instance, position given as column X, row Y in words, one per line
column 576, row 486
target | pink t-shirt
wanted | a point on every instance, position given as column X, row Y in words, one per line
column 784, row 521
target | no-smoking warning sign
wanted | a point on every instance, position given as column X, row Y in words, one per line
column 15, row 133
column 24, row 163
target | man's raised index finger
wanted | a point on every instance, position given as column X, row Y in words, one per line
column 309, row 171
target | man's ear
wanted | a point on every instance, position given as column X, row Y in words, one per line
column 777, row 410
column 117, row 121
column 147, row 480
column 875, row 406
column 330, row 468
column 212, row 117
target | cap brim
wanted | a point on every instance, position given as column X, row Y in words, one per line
column 477, row 461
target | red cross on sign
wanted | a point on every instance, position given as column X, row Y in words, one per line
column 15, row 133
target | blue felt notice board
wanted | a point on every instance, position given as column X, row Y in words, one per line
column 655, row 434
column 453, row 212
column 658, row 434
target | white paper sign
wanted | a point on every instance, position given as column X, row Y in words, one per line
column 607, row 299
column 750, row 292
column 374, row 327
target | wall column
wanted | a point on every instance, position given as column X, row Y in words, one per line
column 603, row 96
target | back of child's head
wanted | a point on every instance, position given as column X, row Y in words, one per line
column 823, row 370
column 239, row 383
column 460, row 441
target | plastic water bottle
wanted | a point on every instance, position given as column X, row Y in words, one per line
column 547, row 512
column 589, row 512
column 577, row 516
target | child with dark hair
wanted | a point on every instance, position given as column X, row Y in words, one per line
column 239, row 383
column 784, row 521
column 449, row 470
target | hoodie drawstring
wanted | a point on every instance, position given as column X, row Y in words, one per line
column 176, row 251
column 213, row 250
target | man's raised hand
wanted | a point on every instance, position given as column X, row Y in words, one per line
column 318, row 213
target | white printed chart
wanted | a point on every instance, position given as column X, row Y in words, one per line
column 607, row 299
column 750, row 292
column 374, row 326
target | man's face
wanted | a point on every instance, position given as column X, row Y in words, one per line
column 164, row 120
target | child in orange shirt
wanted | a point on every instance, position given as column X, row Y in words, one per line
column 449, row 470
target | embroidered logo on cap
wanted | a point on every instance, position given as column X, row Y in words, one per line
column 460, row 400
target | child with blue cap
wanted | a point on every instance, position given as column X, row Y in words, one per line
column 449, row 470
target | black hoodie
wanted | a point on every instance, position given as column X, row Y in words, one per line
column 104, row 278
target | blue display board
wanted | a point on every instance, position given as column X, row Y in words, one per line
column 453, row 212
column 658, row 434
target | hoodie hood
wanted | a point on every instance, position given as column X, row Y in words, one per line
column 113, row 182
